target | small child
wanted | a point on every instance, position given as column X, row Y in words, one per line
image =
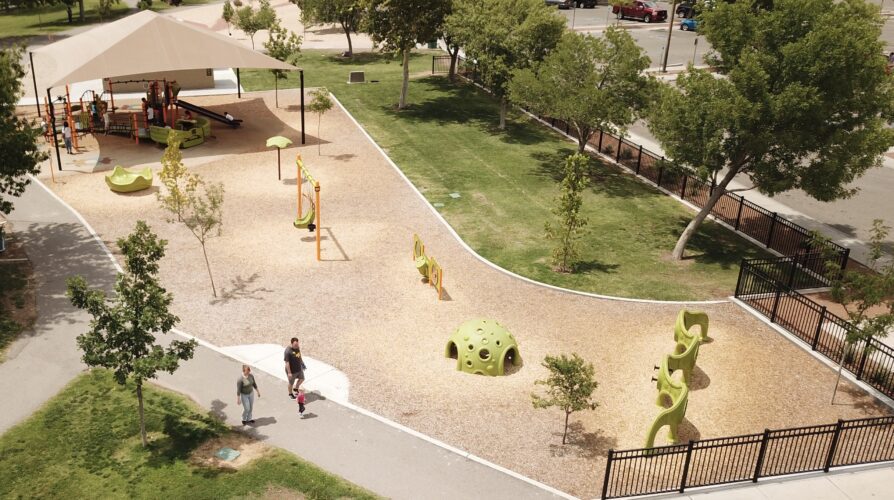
column 301, row 401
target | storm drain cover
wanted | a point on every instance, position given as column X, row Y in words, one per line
column 228, row 454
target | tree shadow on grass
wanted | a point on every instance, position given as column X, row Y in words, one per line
column 362, row 58
column 605, row 179
column 590, row 266
column 716, row 245
column 582, row 444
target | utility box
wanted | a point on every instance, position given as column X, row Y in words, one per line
column 357, row 77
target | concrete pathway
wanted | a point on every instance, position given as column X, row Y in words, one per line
column 350, row 442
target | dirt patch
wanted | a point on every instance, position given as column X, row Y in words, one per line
column 249, row 451
column 277, row 493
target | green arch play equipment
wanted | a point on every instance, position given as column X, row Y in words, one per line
column 671, row 417
column 685, row 321
column 419, row 257
column 684, row 358
column 122, row 180
column 482, row 347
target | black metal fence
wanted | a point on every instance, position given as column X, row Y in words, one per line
column 745, row 217
column 750, row 457
column 826, row 333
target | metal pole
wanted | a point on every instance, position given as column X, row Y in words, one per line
column 573, row 16
column 34, row 81
column 53, row 128
column 670, row 29
column 694, row 49
column 238, row 85
column 301, row 76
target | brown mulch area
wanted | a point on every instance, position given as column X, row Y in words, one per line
column 364, row 310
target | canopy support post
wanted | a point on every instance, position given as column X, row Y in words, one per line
column 238, row 85
column 34, row 81
column 301, row 77
column 53, row 128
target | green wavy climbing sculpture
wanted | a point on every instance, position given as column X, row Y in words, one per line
column 685, row 321
column 684, row 358
column 674, row 414
column 422, row 261
column 483, row 347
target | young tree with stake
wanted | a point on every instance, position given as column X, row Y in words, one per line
column 800, row 105
column 349, row 14
column 203, row 216
column 228, row 15
column 319, row 104
column 122, row 332
column 283, row 45
column 176, row 179
column 570, row 386
column 591, row 83
column 570, row 222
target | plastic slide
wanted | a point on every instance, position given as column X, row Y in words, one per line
column 207, row 112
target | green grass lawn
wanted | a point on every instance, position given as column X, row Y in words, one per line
column 14, row 279
column 85, row 443
column 447, row 142
column 30, row 22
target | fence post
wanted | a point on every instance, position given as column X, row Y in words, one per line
column 639, row 158
column 432, row 64
column 660, row 172
column 833, row 446
column 742, row 268
column 739, row 215
column 618, row 153
column 776, row 303
column 760, row 455
column 567, row 128
column 608, row 470
column 819, row 328
column 791, row 274
column 772, row 227
column 686, row 467
column 683, row 190
column 601, row 133
column 863, row 359
column 844, row 261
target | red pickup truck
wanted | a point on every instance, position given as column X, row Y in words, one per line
column 645, row 11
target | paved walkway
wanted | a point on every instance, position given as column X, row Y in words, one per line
column 351, row 443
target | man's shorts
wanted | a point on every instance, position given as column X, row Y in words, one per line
column 295, row 376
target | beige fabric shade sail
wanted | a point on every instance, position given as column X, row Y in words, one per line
column 145, row 42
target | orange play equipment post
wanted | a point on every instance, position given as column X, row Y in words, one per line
column 304, row 174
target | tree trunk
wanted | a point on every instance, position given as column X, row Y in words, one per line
column 454, row 57
column 319, row 138
column 252, row 38
column 350, row 52
column 565, row 432
column 68, row 11
column 142, row 416
column 406, row 83
column 208, row 265
column 504, row 108
column 81, row 10
column 276, row 89
column 695, row 223
column 840, row 369
column 583, row 135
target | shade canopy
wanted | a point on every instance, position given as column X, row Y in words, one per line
column 278, row 141
column 145, row 42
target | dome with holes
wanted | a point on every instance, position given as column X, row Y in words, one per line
column 483, row 347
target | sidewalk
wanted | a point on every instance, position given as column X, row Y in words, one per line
column 354, row 444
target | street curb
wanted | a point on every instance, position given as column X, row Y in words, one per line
column 345, row 404
column 490, row 264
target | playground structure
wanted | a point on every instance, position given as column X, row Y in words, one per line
column 482, row 347
column 427, row 266
column 311, row 219
column 122, row 180
column 677, row 391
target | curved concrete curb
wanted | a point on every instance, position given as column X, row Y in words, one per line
column 469, row 249
column 345, row 404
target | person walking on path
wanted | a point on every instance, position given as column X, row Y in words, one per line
column 294, row 366
column 245, row 395
column 66, row 136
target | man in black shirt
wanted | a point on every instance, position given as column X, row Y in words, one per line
column 294, row 366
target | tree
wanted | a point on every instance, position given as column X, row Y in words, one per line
column 250, row 21
column 18, row 138
column 227, row 15
column 177, row 180
column 567, row 211
column 502, row 36
column 319, row 104
column 783, row 113
column 122, row 332
column 203, row 216
column 867, row 297
column 104, row 8
column 570, row 386
column 398, row 25
column 590, row 83
column 349, row 14
column 147, row 4
column 283, row 45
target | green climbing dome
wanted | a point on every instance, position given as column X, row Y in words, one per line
column 482, row 346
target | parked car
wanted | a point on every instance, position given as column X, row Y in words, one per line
column 587, row 4
column 562, row 4
column 689, row 24
column 686, row 10
column 643, row 10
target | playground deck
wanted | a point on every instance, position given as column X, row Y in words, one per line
column 364, row 310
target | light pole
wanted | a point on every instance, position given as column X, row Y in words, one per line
column 670, row 29
column 694, row 49
column 573, row 15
